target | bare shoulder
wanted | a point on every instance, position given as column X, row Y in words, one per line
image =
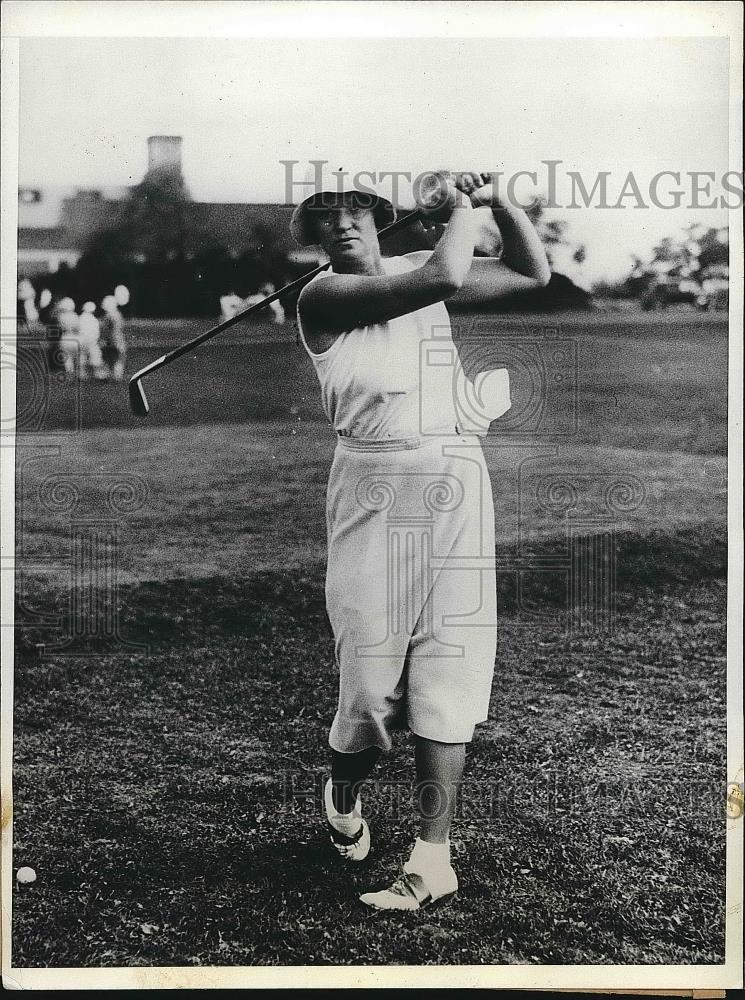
column 317, row 339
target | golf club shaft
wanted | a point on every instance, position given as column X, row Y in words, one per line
column 226, row 324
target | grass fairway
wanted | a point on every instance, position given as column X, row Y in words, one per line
column 169, row 803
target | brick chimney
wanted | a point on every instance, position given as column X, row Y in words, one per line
column 164, row 154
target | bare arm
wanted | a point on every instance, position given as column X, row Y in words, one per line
column 522, row 267
column 343, row 301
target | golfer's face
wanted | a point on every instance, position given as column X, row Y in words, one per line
column 346, row 230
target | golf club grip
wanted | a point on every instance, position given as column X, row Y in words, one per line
column 285, row 290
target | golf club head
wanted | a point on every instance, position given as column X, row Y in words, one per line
column 137, row 398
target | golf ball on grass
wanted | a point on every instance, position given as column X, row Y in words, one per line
column 25, row 875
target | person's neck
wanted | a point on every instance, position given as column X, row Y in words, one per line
column 370, row 265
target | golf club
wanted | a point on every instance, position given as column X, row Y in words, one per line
column 138, row 400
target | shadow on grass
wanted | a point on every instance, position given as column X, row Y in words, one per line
column 182, row 611
column 154, row 795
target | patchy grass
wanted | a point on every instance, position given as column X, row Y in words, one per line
column 248, row 499
column 654, row 385
column 170, row 802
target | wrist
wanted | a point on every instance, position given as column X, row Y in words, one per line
column 509, row 210
column 484, row 197
column 460, row 200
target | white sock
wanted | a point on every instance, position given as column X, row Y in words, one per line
column 426, row 857
column 346, row 823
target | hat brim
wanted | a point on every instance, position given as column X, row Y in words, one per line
column 301, row 226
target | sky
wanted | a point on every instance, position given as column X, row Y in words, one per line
column 243, row 105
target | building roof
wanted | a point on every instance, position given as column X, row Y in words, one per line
column 32, row 238
column 40, row 206
column 238, row 227
column 76, row 217
column 69, row 219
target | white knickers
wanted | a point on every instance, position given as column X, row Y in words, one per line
column 411, row 589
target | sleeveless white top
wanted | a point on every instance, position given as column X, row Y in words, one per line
column 376, row 381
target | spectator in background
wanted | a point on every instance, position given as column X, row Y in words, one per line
column 275, row 308
column 45, row 305
column 113, row 344
column 69, row 330
column 26, row 303
column 48, row 317
column 229, row 305
column 89, row 355
column 121, row 294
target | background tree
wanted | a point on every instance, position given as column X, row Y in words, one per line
column 681, row 264
column 154, row 247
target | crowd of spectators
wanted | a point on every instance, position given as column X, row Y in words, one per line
column 88, row 343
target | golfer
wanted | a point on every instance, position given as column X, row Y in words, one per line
column 410, row 584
